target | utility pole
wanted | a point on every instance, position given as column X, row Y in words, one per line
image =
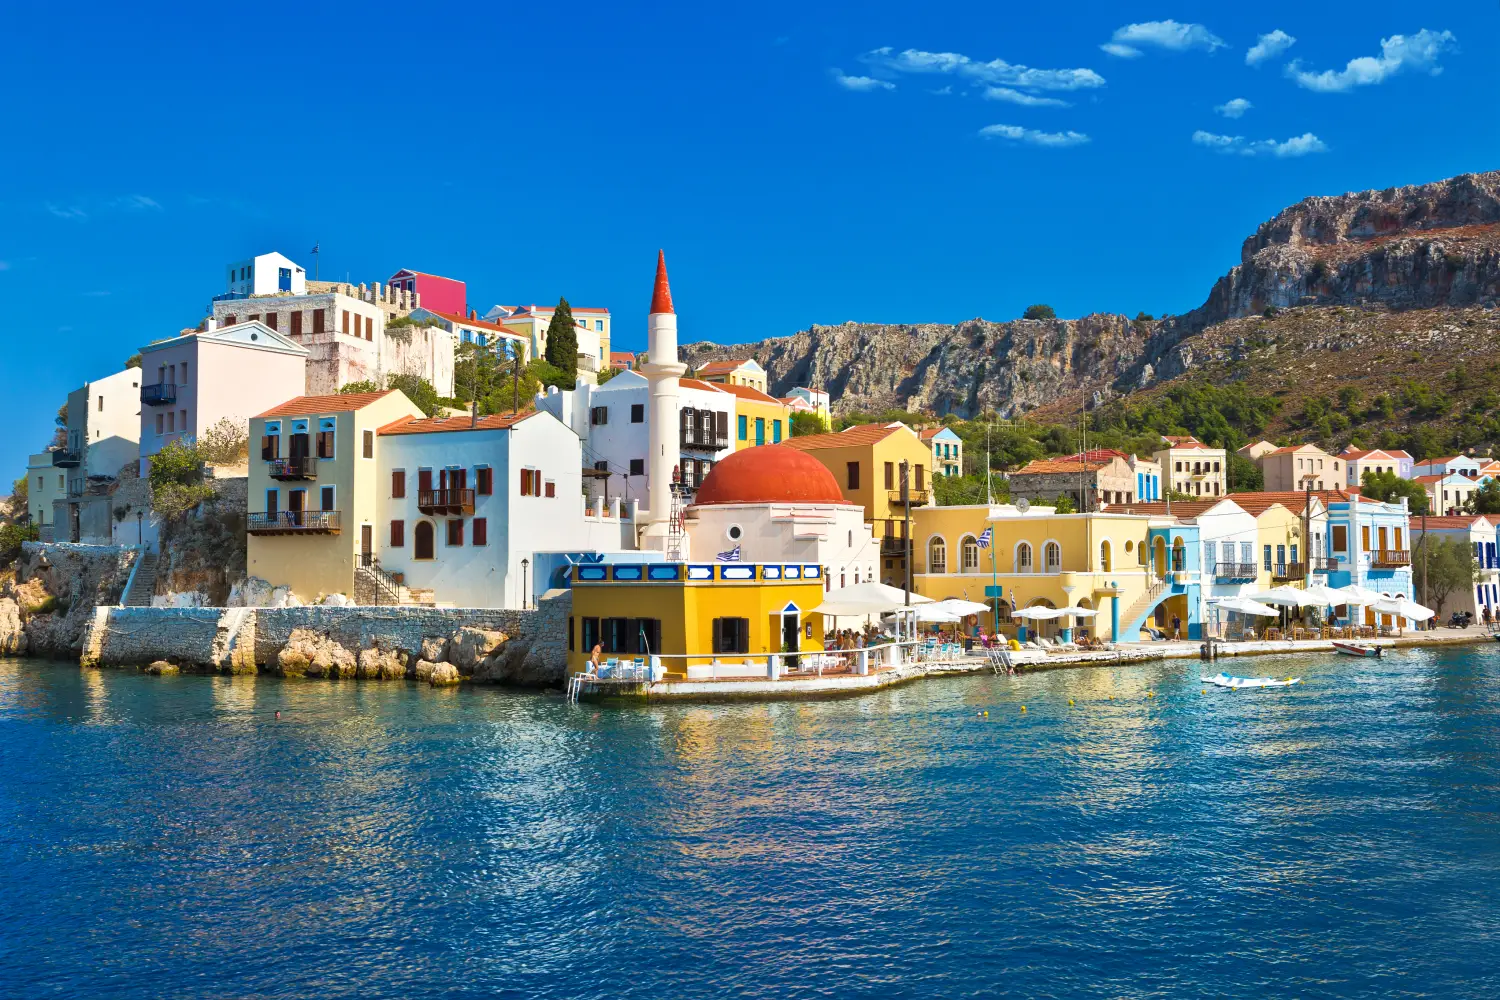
column 1424, row 556
column 906, row 510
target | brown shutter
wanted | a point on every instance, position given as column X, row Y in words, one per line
column 267, row 447
column 398, row 483
column 398, row 534
column 481, row 531
column 296, row 322
column 320, row 324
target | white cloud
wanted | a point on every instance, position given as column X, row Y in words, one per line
column 1235, row 108
column 67, row 211
column 1418, row 52
column 4, row 265
column 1025, row 100
column 95, row 295
column 1032, row 137
column 943, row 91
column 996, row 72
column 136, row 202
column 860, row 83
column 1300, row 145
column 1269, row 46
column 1170, row 35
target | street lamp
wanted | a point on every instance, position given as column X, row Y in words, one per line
column 524, row 564
column 140, row 530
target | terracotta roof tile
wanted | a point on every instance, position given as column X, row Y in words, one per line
column 301, row 406
column 1445, row 522
column 701, row 386
column 1043, row 466
column 432, row 425
column 477, row 323
column 721, row 367
column 1157, row 508
column 746, row 392
column 860, row 434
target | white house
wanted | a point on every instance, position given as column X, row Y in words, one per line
column 1448, row 493
column 947, row 450
column 1229, row 535
column 612, row 422
column 103, row 437
column 265, row 274
column 1479, row 534
column 466, row 505
column 1461, row 465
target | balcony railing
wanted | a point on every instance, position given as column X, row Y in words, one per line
column 1234, row 571
column 161, row 394
column 890, row 545
column 445, row 501
column 294, row 522
column 1325, row 564
column 1390, row 558
column 917, row 498
column 1289, row 571
column 692, row 438
column 65, row 459
column 300, row 467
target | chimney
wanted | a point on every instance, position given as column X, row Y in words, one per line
column 210, row 325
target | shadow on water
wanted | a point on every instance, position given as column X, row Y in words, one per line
column 1131, row 833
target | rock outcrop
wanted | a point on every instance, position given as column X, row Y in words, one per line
column 13, row 640
column 1428, row 246
column 310, row 654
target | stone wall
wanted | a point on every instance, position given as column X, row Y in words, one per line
column 137, row 636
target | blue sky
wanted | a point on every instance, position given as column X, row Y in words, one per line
column 800, row 163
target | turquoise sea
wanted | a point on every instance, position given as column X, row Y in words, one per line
column 171, row 837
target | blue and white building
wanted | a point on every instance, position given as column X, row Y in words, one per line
column 1478, row 532
column 1372, row 542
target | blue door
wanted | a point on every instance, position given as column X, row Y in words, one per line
column 284, row 279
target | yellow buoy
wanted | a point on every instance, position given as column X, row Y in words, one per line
column 1023, row 708
column 1070, row 701
column 1204, row 691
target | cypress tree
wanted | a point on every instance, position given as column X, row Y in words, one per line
column 562, row 341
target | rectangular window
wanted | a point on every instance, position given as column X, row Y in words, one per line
column 398, row 534
column 1399, row 546
column 230, row 319
column 890, row 475
column 327, row 498
column 549, row 489
column 590, row 634
column 637, row 413
column 101, row 404
column 525, row 482
column 1341, row 538
column 398, row 483
column 161, row 423
column 346, row 321
column 319, row 321
column 1364, row 531
column 637, row 466
column 481, row 531
column 571, row 647
column 1179, row 466
column 271, row 320
column 1247, row 553
column 744, row 425
column 731, row 635
column 296, row 322
column 171, row 421
column 172, row 374
column 325, row 444
column 484, row 481
column 369, row 327
column 721, row 423
column 921, row 476
column 852, row 474
column 1268, row 558
column 599, row 416
column 455, row 533
column 369, row 444
column 424, row 480
column 271, row 502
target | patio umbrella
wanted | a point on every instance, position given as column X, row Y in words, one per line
column 1289, row 597
column 1246, row 606
column 1037, row 614
column 935, row 613
column 1404, row 607
column 1363, row 596
column 869, row 598
column 1325, row 595
column 959, row 606
column 1079, row 612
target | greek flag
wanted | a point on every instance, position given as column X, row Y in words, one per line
column 733, row 555
column 984, row 538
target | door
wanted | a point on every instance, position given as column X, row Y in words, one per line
column 422, row 540
column 295, row 499
column 366, row 544
column 791, row 637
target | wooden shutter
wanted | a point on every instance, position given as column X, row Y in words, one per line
column 722, row 426
column 271, row 319
column 320, row 324
column 398, row 534
column 267, row 445
column 481, row 531
column 424, row 480
column 296, row 322
column 551, row 490
column 398, row 483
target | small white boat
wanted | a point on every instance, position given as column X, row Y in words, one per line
column 1356, row 648
column 1235, row 683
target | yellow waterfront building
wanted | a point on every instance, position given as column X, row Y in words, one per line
column 312, row 489
column 697, row 620
column 1040, row 558
column 758, row 418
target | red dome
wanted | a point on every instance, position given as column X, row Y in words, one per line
column 770, row 473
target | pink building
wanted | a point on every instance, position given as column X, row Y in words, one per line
column 438, row 293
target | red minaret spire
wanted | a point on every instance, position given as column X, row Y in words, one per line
column 661, row 295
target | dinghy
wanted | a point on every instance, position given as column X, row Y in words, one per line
column 1235, row 683
column 1356, row 648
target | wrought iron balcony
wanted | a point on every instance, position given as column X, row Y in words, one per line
column 161, row 394
column 300, row 467
column 1325, row 564
column 917, row 498
column 1390, row 558
column 890, row 545
column 294, row 522
column 693, row 438
column 445, row 501
column 1289, row 571
column 1234, row 571
column 66, row 459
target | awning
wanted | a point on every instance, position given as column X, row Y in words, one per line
column 1403, row 607
column 868, row 598
column 1246, row 606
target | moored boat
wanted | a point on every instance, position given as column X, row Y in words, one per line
column 1356, row 648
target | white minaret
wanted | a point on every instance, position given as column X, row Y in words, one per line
column 662, row 370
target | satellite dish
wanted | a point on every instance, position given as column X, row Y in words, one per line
column 1022, row 504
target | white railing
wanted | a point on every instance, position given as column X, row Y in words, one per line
column 754, row 666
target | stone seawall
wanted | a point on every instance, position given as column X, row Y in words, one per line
column 485, row 645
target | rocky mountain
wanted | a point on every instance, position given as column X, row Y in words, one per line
column 1422, row 247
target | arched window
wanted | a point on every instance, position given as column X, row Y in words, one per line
column 1052, row 554
column 969, row 550
column 1023, row 557
column 1104, row 554
column 422, row 540
column 937, row 556
column 1179, row 556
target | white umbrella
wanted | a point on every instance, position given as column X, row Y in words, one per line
column 1246, row 606
column 869, row 598
column 935, row 613
column 1080, row 612
column 1404, row 608
column 959, row 606
column 1037, row 614
column 1325, row 595
column 1363, row 596
column 1289, row 597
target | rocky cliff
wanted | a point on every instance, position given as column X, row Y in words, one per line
column 1421, row 247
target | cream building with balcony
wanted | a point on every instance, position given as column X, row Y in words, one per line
column 1188, row 466
column 1299, row 466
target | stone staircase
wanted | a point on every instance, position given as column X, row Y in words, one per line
column 142, row 582
column 1142, row 604
column 375, row 586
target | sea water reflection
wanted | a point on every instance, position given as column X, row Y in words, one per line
column 172, row 837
